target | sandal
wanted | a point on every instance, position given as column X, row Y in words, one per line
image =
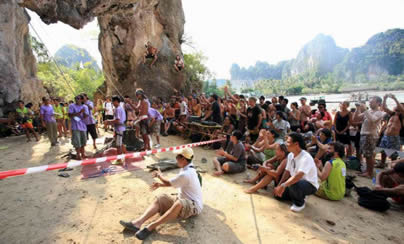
column 64, row 175
column 143, row 234
column 65, row 169
column 129, row 226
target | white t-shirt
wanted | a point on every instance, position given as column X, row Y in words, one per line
column 189, row 186
column 109, row 110
column 371, row 122
column 183, row 108
column 304, row 162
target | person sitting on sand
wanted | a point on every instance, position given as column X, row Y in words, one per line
column 188, row 203
column 233, row 159
column 264, row 148
column 320, row 143
column 391, row 182
column 151, row 52
column 332, row 174
column 178, row 63
column 300, row 177
column 272, row 170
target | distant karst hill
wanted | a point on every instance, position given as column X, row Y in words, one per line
column 383, row 54
column 71, row 55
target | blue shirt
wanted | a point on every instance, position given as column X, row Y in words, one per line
column 119, row 113
column 154, row 114
column 78, row 121
column 89, row 120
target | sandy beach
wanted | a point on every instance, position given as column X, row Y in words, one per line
column 45, row 208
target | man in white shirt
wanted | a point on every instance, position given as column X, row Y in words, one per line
column 109, row 110
column 300, row 177
column 188, row 203
column 371, row 121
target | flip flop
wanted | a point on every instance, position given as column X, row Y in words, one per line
column 65, row 169
column 64, row 175
column 129, row 226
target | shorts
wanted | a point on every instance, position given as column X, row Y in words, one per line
column 234, row 167
column 27, row 125
column 92, row 131
column 149, row 55
column 343, row 138
column 156, row 127
column 179, row 68
column 144, row 127
column 368, row 145
column 109, row 117
column 188, row 209
column 390, row 142
column 79, row 138
column 356, row 139
column 118, row 138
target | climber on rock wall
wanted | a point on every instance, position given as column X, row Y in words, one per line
column 151, row 52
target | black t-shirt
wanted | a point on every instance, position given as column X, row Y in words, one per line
column 252, row 114
column 216, row 117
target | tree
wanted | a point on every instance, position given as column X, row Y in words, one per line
column 196, row 71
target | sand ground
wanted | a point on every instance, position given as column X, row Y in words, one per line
column 45, row 208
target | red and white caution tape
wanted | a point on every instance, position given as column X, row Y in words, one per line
column 49, row 167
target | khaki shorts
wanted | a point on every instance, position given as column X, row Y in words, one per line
column 156, row 127
column 166, row 202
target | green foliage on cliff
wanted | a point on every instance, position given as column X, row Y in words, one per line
column 62, row 81
column 195, row 71
column 71, row 56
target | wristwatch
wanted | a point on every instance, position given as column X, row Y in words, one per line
column 283, row 185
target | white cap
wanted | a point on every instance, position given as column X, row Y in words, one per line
column 186, row 152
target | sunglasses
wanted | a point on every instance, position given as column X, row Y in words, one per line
column 179, row 156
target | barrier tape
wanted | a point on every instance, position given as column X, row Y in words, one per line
column 49, row 167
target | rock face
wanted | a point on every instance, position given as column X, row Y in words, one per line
column 126, row 26
column 320, row 54
column 17, row 62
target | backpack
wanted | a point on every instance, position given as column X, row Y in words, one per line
column 199, row 175
column 372, row 199
column 353, row 163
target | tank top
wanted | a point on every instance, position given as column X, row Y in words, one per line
column 294, row 122
column 334, row 186
column 341, row 122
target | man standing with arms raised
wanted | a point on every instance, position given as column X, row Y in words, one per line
column 300, row 177
column 369, row 133
column 305, row 110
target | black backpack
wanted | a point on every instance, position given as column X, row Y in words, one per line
column 199, row 175
column 372, row 199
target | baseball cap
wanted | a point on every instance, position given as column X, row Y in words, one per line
column 186, row 152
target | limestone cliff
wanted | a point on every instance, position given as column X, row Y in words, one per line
column 17, row 62
column 126, row 26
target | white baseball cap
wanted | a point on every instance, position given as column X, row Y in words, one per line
column 186, row 152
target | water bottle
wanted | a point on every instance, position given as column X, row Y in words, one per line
column 374, row 178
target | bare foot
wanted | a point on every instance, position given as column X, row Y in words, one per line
column 249, row 181
column 250, row 191
column 218, row 173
